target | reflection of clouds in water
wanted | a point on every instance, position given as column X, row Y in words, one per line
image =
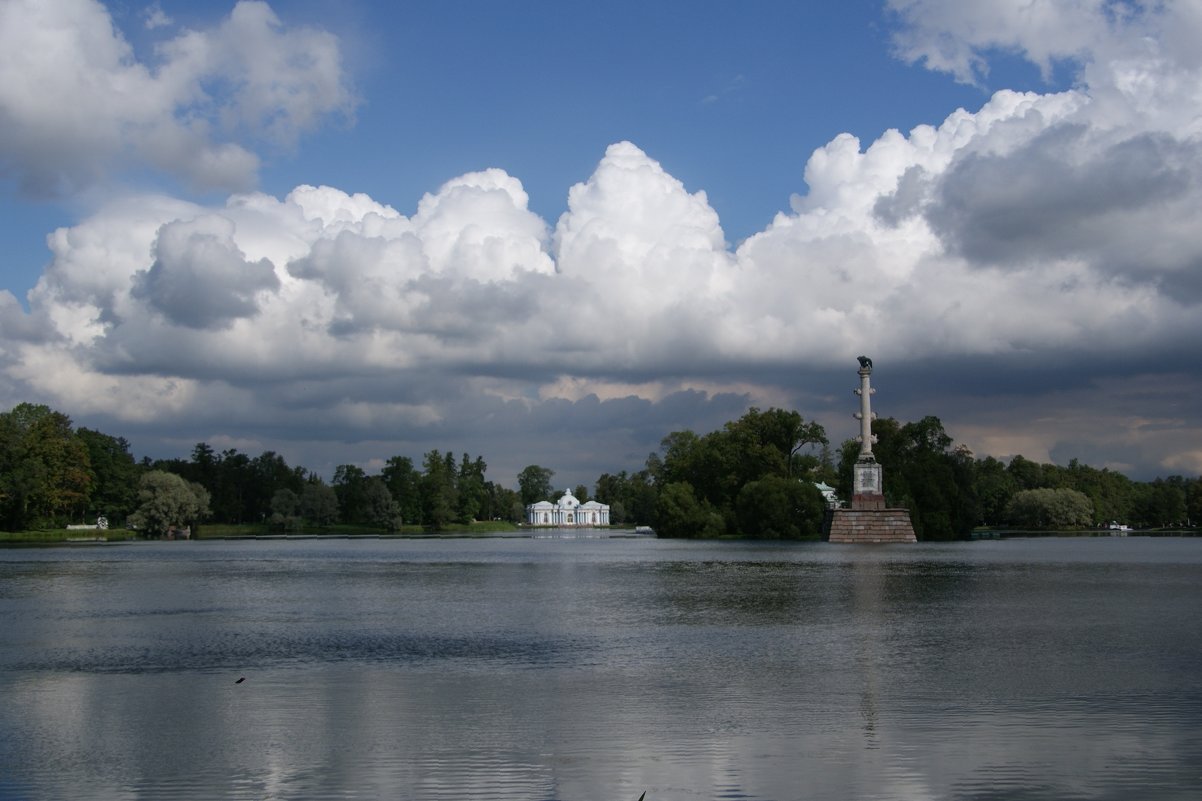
column 688, row 670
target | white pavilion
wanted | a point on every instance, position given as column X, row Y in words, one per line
column 567, row 511
column 828, row 495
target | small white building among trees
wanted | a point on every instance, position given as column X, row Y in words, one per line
column 567, row 512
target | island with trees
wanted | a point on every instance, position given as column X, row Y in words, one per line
column 754, row 477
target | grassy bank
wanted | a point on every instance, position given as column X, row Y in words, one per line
column 981, row 533
column 232, row 531
column 224, row 531
column 64, row 535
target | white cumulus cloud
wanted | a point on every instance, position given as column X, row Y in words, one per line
column 76, row 103
column 1037, row 239
column 200, row 278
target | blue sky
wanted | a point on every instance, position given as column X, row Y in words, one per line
column 549, row 223
column 730, row 97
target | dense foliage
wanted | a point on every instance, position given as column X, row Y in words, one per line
column 922, row 473
column 167, row 503
column 949, row 492
column 743, row 479
column 1049, row 508
column 52, row 475
column 753, row 477
column 45, row 468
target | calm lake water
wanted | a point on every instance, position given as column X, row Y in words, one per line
column 602, row 668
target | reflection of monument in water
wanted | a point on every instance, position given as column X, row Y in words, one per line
column 868, row 520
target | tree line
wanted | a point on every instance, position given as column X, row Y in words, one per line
column 949, row 492
column 754, row 477
column 742, row 480
column 52, row 474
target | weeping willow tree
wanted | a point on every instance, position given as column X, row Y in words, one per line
column 168, row 502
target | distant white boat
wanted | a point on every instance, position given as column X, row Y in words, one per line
column 1118, row 529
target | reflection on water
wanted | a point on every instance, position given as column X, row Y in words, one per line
column 597, row 669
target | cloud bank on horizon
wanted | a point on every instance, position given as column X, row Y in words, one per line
column 1030, row 271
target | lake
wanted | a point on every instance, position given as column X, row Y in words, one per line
column 582, row 669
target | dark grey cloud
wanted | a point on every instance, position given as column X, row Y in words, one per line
column 912, row 190
column 17, row 325
column 580, row 439
column 468, row 311
column 1127, row 209
column 200, row 279
column 577, row 439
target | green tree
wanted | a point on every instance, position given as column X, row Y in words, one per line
column 350, row 485
column 45, row 469
column 767, row 442
column 471, row 492
column 825, row 469
column 1193, row 502
column 167, row 502
column 115, row 491
column 780, row 508
column 1026, row 474
column 241, row 487
column 269, row 474
column 994, row 488
column 285, row 510
column 720, row 464
column 229, row 479
column 632, row 499
column 641, row 498
column 285, row 502
column 1047, row 508
column 404, row 482
column 680, row 459
column 615, row 491
column 504, row 503
column 438, row 490
column 1160, row 504
column 534, row 484
column 238, row 487
column 1112, row 494
column 319, row 503
column 379, row 507
column 681, row 513
column 938, row 481
column 517, row 512
column 204, row 466
column 610, row 487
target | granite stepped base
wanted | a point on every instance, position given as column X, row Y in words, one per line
column 870, row 525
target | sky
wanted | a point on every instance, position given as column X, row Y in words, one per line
column 554, row 232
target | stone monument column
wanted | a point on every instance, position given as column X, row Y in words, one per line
column 868, row 520
column 867, row 481
column 865, row 415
